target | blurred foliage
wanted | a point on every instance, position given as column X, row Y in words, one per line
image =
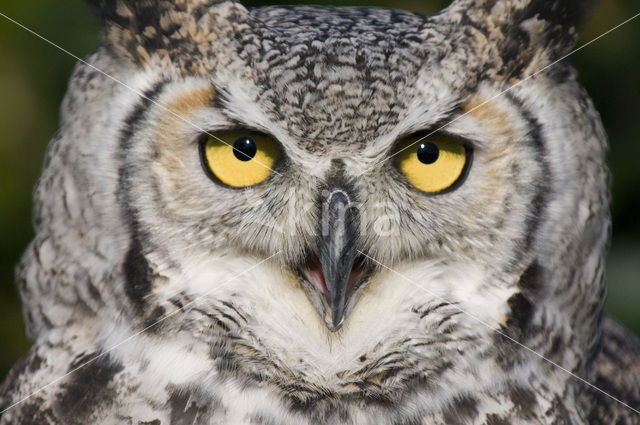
column 34, row 74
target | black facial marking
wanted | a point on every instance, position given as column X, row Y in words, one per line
column 147, row 98
column 137, row 274
column 521, row 312
column 542, row 187
column 530, row 280
column 88, row 388
column 516, row 327
column 135, row 267
column 130, row 123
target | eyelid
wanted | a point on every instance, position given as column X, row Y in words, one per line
column 240, row 129
column 399, row 145
column 215, row 132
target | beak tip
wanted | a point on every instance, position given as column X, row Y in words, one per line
column 334, row 320
column 333, row 327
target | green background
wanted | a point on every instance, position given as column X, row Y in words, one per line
column 34, row 74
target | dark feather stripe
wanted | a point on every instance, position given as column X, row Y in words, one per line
column 146, row 99
column 89, row 388
column 543, row 187
column 135, row 266
column 137, row 274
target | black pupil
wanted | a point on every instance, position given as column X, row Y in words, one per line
column 245, row 149
column 428, row 153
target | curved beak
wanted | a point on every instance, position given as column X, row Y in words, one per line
column 337, row 272
column 337, row 244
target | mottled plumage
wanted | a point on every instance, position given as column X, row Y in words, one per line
column 131, row 230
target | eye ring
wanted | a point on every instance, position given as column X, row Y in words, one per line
column 239, row 158
column 433, row 165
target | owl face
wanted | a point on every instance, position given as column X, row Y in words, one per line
column 337, row 142
column 349, row 196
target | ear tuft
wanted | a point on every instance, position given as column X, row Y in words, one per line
column 528, row 34
column 117, row 12
column 554, row 23
column 166, row 30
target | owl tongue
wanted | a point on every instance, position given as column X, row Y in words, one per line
column 313, row 272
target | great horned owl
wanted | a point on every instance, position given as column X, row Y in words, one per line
column 303, row 215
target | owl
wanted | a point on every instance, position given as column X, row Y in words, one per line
column 323, row 216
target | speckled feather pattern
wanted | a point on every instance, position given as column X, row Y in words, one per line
column 129, row 228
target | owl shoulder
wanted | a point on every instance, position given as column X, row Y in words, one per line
column 615, row 369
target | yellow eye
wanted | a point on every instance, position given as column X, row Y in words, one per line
column 432, row 165
column 240, row 159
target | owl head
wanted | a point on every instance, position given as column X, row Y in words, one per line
column 335, row 201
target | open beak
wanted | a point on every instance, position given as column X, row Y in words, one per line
column 334, row 275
